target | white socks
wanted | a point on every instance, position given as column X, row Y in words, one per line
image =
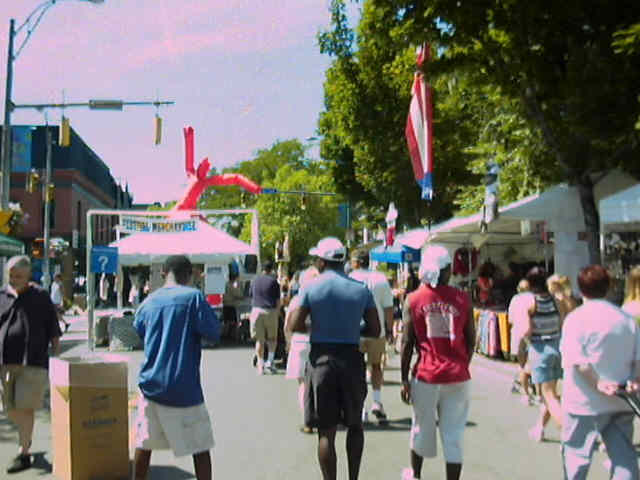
column 377, row 396
column 270, row 357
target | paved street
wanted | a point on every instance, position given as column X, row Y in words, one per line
column 256, row 423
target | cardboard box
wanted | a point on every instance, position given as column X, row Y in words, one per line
column 89, row 417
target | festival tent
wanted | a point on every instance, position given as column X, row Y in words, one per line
column 460, row 231
column 205, row 244
column 621, row 211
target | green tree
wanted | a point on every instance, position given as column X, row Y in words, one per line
column 554, row 63
column 286, row 167
column 557, row 62
column 367, row 95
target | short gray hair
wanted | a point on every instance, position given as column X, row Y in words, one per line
column 18, row 261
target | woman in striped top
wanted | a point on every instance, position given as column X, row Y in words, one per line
column 543, row 334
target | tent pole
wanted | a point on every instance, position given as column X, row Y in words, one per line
column 90, row 281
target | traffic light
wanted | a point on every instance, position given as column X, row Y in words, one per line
column 64, row 134
column 303, row 202
column 50, row 193
column 157, row 121
column 32, row 181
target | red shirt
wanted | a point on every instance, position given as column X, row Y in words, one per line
column 439, row 318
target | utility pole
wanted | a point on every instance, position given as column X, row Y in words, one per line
column 5, row 166
column 46, row 276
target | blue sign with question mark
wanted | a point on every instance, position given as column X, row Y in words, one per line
column 104, row 259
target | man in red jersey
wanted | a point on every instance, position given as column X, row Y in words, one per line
column 438, row 323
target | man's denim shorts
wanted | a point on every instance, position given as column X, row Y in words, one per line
column 545, row 360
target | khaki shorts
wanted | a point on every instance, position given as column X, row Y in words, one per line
column 374, row 348
column 185, row 430
column 22, row 387
column 264, row 324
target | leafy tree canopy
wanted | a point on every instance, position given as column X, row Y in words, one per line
column 286, row 167
column 548, row 89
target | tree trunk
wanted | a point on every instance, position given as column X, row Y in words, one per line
column 591, row 217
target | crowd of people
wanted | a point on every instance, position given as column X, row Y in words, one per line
column 337, row 328
column 593, row 347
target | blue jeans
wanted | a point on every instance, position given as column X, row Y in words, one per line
column 579, row 435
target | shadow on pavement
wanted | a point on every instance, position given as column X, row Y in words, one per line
column 8, row 430
column 392, row 382
column 168, row 472
column 401, row 424
column 40, row 462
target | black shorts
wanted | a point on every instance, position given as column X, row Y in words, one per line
column 336, row 386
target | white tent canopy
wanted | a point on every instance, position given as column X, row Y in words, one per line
column 621, row 211
column 558, row 206
column 466, row 230
column 206, row 244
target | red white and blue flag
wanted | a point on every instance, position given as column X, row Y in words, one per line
column 419, row 129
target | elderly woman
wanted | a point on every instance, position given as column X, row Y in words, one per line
column 632, row 293
column 299, row 344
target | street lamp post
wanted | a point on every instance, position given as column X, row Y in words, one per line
column 5, row 159
column 46, row 275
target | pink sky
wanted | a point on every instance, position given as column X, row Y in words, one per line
column 243, row 73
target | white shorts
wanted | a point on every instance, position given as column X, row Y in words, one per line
column 298, row 356
column 185, row 430
column 451, row 403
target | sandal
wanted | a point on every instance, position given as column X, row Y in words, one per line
column 305, row 429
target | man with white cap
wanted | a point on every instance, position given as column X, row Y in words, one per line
column 438, row 321
column 374, row 348
column 335, row 376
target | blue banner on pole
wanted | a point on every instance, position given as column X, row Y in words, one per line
column 104, row 259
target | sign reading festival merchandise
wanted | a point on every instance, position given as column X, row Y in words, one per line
column 130, row 224
column 104, row 259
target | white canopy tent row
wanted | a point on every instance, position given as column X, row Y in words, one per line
column 201, row 243
column 558, row 207
column 505, row 240
column 620, row 212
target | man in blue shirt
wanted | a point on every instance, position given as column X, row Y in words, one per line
column 335, row 378
column 171, row 412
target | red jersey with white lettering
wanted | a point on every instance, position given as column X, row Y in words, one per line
column 439, row 318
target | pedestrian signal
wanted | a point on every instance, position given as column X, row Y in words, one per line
column 64, row 133
column 157, row 122
column 32, row 181
column 50, row 193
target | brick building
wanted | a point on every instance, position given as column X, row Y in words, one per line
column 82, row 182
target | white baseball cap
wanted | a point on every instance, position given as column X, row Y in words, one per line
column 434, row 259
column 329, row 248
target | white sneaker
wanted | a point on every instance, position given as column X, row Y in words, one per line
column 260, row 369
column 407, row 474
